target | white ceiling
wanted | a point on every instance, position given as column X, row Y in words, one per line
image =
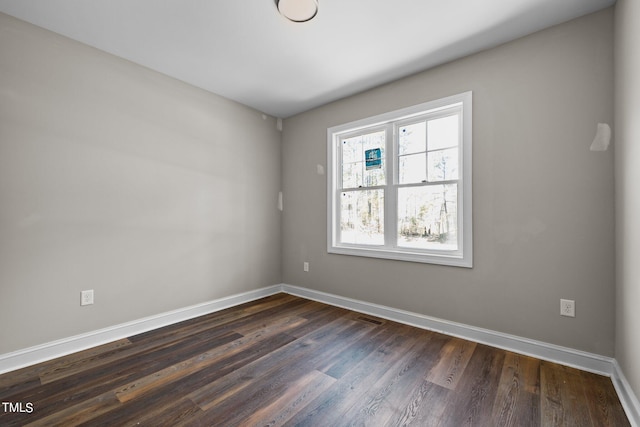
column 246, row 51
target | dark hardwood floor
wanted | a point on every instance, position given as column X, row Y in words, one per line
column 284, row 360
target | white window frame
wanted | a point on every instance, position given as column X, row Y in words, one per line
column 463, row 256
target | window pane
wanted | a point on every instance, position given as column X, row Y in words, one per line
column 443, row 165
column 351, row 175
column 352, row 150
column 443, row 132
column 411, row 138
column 356, row 170
column 412, row 168
column 362, row 217
column 372, row 140
column 356, row 175
column 373, row 177
column 427, row 217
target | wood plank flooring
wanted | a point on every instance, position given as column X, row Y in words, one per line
column 284, row 360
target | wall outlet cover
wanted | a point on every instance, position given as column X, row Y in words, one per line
column 86, row 297
column 568, row 307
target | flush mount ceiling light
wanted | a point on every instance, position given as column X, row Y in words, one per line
column 298, row 10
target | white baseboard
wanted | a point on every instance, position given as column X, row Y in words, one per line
column 628, row 399
column 563, row 355
column 553, row 353
column 51, row 350
column 566, row 356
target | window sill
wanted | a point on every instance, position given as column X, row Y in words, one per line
column 453, row 260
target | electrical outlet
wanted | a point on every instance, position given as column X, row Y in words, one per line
column 86, row 297
column 568, row 307
column 305, row 267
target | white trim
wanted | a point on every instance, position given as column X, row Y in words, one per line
column 626, row 395
column 585, row 361
column 463, row 255
column 563, row 355
column 566, row 356
column 43, row 352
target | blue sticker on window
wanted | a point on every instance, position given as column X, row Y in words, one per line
column 373, row 158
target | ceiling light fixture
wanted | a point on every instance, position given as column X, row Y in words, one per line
column 298, row 10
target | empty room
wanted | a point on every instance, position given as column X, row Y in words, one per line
column 319, row 213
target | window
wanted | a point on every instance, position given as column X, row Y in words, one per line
column 399, row 184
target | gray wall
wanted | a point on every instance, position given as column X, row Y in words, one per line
column 155, row 194
column 543, row 203
column 627, row 161
column 158, row 195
